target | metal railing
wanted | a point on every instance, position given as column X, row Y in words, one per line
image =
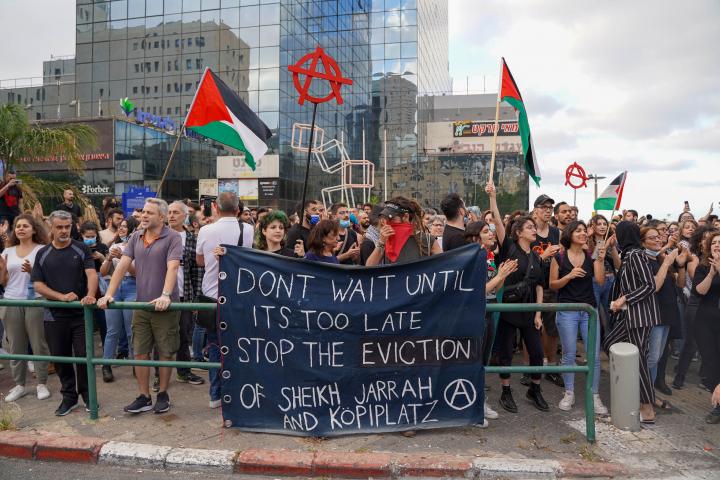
column 90, row 361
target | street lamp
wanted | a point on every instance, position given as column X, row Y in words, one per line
column 595, row 178
column 75, row 103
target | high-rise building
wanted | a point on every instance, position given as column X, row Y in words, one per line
column 154, row 52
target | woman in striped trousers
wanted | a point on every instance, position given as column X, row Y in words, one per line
column 635, row 309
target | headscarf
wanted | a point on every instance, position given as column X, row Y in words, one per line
column 628, row 236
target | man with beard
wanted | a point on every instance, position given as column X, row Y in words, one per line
column 563, row 214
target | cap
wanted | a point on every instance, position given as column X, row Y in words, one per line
column 543, row 199
column 392, row 210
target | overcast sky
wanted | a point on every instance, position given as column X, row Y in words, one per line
column 612, row 85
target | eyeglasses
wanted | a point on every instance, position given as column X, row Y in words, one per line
column 545, row 207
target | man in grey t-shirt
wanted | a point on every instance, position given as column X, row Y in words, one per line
column 157, row 251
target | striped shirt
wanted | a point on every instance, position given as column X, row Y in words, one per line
column 637, row 284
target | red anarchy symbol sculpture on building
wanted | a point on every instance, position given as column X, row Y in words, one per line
column 576, row 171
column 331, row 73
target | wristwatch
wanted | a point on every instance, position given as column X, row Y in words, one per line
column 166, row 294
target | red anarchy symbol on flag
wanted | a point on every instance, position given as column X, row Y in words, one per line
column 576, row 171
column 331, row 73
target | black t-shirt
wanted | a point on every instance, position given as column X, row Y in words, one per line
column 74, row 209
column 710, row 302
column 577, row 290
column 285, row 252
column 509, row 250
column 101, row 248
column 352, row 239
column 539, row 245
column 452, row 238
column 63, row 270
column 366, row 249
column 667, row 298
column 297, row 232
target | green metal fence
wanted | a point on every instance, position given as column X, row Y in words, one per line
column 90, row 361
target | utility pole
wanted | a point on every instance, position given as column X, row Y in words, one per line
column 595, row 178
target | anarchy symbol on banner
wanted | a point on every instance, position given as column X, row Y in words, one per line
column 576, row 171
column 331, row 73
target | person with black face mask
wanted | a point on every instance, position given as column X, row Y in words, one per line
column 301, row 231
column 635, row 309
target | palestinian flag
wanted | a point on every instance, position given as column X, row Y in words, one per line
column 217, row 112
column 510, row 93
column 611, row 197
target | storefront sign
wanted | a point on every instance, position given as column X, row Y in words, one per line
column 483, row 129
column 141, row 116
column 96, row 190
column 268, row 191
column 208, row 187
column 100, row 157
column 323, row 350
column 135, row 198
column 247, row 189
column 234, row 166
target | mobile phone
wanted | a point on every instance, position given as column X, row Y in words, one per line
column 207, row 207
column 687, row 204
column 18, row 181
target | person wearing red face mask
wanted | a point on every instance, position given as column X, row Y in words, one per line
column 403, row 236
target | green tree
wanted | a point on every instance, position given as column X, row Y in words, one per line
column 21, row 141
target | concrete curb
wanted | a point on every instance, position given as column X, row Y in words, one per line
column 53, row 447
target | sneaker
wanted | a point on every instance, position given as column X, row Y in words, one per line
column 18, row 391
column 107, row 374
column 534, row 394
column 567, row 401
column 215, row 403
column 66, row 407
column 555, row 378
column 87, row 407
column 190, row 378
column 42, row 392
column 507, row 401
column 678, row 382
column 162, row 403
column 489, row 412
column 156, row 384
column 484, row 424
column 600, row 408
column 141, row 404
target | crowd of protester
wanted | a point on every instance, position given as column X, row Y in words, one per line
column 654, row 284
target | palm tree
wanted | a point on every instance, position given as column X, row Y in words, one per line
column 21, row 141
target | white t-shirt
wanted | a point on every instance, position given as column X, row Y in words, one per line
column 17, row 286
column 181, row 272
column 225, row 230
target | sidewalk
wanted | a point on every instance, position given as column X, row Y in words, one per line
column 679, row 443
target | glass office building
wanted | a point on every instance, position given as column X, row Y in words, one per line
column 154, row 52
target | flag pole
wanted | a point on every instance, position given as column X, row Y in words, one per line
column 307, row 165
column 180, row 132
column 497, row 122
column 385, row 189
column 617, row 204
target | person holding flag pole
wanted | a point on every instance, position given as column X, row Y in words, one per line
column 508, row 92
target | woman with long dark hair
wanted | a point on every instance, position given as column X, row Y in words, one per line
column 635, row 309
column 598, row 237
column 23, row 324
column 706, row 283
column 572, row 273
column 522, row 286
column 688, row 351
